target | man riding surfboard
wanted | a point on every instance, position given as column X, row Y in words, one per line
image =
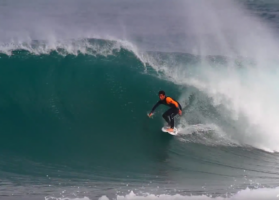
column 175, row 108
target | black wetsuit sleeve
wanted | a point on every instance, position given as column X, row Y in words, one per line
column 179, row 106
column 155, row 106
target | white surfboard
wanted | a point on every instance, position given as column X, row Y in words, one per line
column 164, row 129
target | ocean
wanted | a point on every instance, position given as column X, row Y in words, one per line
column 78, row 79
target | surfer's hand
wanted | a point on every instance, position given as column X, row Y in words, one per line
column 150, row 114
column 180, row 112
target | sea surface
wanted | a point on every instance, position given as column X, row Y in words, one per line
column 78, row 78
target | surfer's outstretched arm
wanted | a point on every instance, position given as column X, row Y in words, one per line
column 154, row 107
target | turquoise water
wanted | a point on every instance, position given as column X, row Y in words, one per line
column 74, row 125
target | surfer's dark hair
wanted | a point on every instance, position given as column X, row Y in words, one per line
column 162, row 92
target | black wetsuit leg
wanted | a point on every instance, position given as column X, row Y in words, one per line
column 169, row 116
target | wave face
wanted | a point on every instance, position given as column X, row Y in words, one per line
column 75, row 93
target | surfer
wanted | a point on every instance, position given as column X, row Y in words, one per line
column 175, row 108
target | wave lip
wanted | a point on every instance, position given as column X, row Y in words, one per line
column 90, row 46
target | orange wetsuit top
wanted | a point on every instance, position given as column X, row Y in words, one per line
column 168, row 101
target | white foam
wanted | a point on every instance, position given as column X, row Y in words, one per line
column 253, row 95
column 250, row 92
column 247, row 194
column 207, row 134
column 66, row 198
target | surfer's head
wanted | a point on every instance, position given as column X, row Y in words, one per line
column 162, row 95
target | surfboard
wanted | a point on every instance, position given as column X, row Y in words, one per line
column 164, row 129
